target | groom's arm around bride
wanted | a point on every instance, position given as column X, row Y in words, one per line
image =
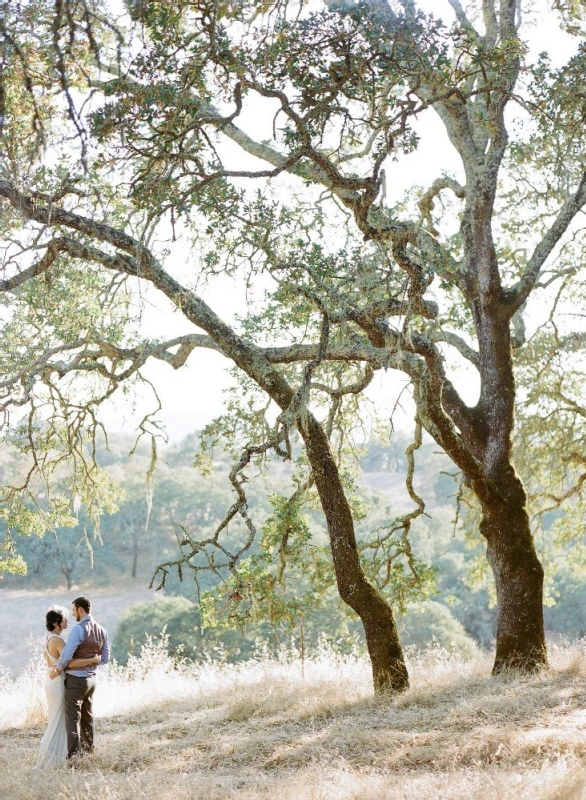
column 87, row 639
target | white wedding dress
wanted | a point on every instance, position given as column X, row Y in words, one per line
column 54, row 742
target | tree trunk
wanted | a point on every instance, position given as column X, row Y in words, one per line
column 68, row 577
column 518, row 575
column 134, row 554
column 389, row 671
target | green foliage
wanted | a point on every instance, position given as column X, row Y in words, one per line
column 420, row 626
column 180, row 493
column 285, row 580
column 11, row 562
column 147, row 161
column 177, row 616
column 56, row 473
column 35, row 514
column 390, row 457
column 188, row 638
column 567, row 615
column 572, row 13
column 430, row 622
column 469, row 597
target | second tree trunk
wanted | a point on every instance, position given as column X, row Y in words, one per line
column 518, row 575
column 389, row 671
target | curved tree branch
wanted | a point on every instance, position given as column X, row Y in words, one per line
column 519, row 293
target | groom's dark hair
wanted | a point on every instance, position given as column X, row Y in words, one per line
column 82, row 602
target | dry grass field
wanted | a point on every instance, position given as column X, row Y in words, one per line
column 264, row 730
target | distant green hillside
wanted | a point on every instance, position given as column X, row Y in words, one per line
column 128, row 550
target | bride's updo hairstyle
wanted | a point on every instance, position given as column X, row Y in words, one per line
column 53, row 618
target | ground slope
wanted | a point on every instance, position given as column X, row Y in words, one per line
column 266, row 731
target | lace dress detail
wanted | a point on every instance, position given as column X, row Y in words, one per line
column 54, row 742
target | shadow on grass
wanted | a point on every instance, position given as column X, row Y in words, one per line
column 467, row 723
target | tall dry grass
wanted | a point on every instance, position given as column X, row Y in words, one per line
column 270, row 729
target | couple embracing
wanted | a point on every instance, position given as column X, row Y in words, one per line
column 71, row 682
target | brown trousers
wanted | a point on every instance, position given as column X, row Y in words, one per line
column 79, row 717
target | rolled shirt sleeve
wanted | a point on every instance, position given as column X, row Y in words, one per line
column 76, row 637
column 105, row 653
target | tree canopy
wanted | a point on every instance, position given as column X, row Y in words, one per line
column 185, row 140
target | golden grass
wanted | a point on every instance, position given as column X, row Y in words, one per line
column 260, row 730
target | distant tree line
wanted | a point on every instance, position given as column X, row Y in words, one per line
column 459, row 614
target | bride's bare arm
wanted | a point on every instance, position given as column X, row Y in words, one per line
column 55, row 647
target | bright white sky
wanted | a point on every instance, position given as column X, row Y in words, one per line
column 193, row 395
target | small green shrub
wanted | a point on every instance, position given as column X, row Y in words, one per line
column 178, row 615
column 429, row 621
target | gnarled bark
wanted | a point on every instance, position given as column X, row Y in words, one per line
column 518, row 575
column 389, row 671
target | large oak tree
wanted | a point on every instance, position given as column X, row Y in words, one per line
column 160, row 135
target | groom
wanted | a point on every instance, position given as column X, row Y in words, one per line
column 86, row 639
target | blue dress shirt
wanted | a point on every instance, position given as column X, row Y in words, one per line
column 76, row 637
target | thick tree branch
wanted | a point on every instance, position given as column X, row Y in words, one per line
column 508, row 13
column 304, row 169
column 461, row 15
column 38, row 268
column 403, row 353
column 460, row 345
column 75, row 249
column 491, row 24
column 426, row 204
column 428, row 309
column 519, row 293
column 55, row 216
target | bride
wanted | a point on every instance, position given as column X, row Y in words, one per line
column 54, row 742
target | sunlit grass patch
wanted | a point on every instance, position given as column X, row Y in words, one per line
column 276, row 728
